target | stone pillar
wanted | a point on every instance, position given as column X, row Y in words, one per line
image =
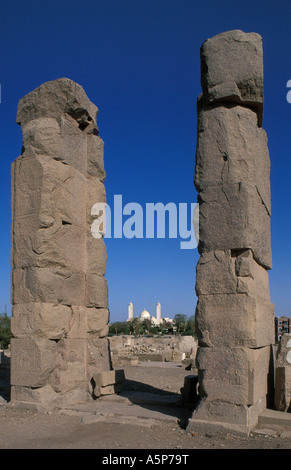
column 283, row 375
column 234, row 315
column 59, row 292
column 130, row 312
column 158, row 311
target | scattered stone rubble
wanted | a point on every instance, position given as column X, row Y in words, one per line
column 108, row 383
column 129, row 350
column 59, row 292
column 234, row 315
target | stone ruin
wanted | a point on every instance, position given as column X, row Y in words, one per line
column 59, row 292
column 128, row 350
column 283, row 375
column 60, row 353
column 234, row 315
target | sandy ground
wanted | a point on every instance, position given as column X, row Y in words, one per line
column 160, row 429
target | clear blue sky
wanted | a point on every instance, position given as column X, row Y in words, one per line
column 138, row 61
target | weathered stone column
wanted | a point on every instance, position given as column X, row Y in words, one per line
column 59, row 292
column 234, row 315
column 283, row 375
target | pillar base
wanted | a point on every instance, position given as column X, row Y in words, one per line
column 219, row 417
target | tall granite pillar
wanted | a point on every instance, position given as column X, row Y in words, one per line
column 234, row 315
column 59, row 292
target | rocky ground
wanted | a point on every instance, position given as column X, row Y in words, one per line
column 122, row 424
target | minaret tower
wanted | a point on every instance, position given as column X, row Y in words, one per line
column 130, row 312
column 158, row 311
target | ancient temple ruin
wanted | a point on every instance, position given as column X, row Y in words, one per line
column 282, row 396
column 60, row 351
column 234, row 315
column 59, row 292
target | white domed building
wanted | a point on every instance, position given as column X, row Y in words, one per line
column 145, row 315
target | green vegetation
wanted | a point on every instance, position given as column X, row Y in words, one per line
column 135, row 327
column 5, row 330
column 182, row 326
column 185, row 325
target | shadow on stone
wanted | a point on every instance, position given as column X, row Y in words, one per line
column 159, row 401
column 5, row 381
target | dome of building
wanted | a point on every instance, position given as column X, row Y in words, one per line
column 145, row 315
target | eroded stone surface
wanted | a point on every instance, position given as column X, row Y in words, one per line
column 232, row 69
column 59, row 292
column 234, row 316
column 236, row 149
column 235, row 375
column 54, row 99
column 233, row 217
